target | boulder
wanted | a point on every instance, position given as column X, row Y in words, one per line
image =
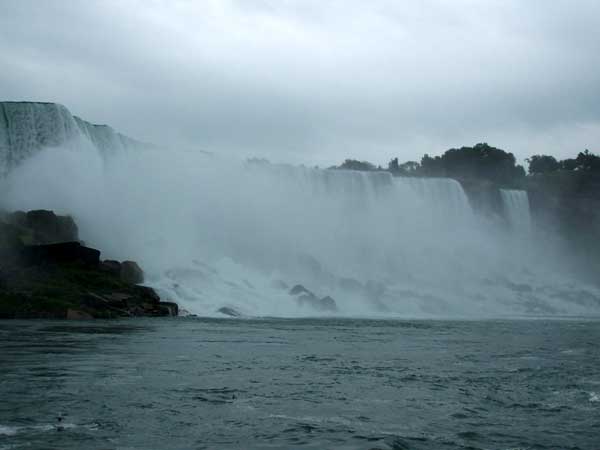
column 64, row 252
column 47, row 227
column 131, row 272
column 169, row 308
column 111, row 266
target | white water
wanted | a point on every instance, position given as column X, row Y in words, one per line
column 213, row 233
column 27, row 127
column 516, row 209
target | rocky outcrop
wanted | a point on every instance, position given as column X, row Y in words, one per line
column 304, row 297
column 131, row 273
column 66, row 279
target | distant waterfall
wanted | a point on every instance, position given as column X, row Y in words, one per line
column 516, row 208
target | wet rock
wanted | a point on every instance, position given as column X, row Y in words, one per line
column 131, row 272
column 229, row 311
column 169, row 308
column 147, row 293
column 111, row 266
column 47, row 227
column 64, row 252
column 299, row 289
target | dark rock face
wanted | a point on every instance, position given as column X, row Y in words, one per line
column 131, row 272
column 111, row 266
column 65, row 252
column 46, row 227
column 66, row 279
column 170, row 308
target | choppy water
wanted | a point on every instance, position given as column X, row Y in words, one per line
column 279, row 384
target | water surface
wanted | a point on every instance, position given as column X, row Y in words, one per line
column 279, row 384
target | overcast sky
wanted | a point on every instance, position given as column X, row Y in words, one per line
column 316, row 81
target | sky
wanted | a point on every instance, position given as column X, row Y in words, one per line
column 316, row 81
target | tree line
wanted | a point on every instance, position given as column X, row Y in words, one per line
column 481, row 161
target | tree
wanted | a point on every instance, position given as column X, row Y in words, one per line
column 543, row 164
column 479, row 162
column 568, row 164
column 353, row 164
column 588, row 161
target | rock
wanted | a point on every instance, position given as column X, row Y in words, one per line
column 131, row 272
column 299, row 289
column 47, row 227
column 65, row 252
column 229, row 311
column 111, row 266
column 75, row 314
column 169, row 308
column 147, row 293
column 9, row 237
column 327, row 304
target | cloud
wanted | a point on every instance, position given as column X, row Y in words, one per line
column 312, row 81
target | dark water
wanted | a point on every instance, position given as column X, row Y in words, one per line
column 279, row 384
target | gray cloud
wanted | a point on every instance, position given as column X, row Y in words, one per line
column 312, row 81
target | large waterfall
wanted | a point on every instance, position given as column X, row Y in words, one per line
column 215, row 233
column 27, row 127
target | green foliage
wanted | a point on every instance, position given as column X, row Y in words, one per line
column 588, row 161
column 585, row 161
column 481, row 162
column 543, row 164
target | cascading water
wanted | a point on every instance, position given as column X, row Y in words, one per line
column 212, row 233
column 516, row 208
column 28, row 127
column 443, row 193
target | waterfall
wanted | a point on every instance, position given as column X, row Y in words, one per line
column 516, row 208
column 27, row 127
column 211, row 232
column 446, row 194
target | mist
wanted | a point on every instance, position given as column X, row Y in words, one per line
column 212, row 232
